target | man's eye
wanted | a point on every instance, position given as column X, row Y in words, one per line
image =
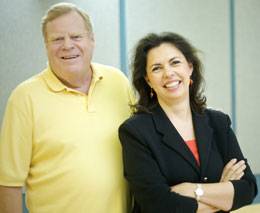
column 58, row 39
column 76, row 37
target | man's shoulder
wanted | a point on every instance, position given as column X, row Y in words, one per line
column 103, row 67
column 26, row 87
column 108, row 71
column 30, row 82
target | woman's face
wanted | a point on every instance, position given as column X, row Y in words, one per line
column 168, row 73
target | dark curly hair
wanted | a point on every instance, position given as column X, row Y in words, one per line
column 145, row 103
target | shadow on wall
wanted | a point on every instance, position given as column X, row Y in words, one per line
column 257, row 199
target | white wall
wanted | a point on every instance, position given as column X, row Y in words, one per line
column 21, row 50
column 248, row 78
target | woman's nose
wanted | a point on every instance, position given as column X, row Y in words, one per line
column 169, row 71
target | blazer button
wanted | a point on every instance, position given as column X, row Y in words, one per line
column 205, row 179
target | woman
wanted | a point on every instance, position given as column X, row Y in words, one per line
column 178, row 155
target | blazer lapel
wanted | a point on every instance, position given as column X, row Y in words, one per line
column 204, row 134
column 171, row 137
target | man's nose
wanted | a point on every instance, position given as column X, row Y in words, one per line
column 68, row 43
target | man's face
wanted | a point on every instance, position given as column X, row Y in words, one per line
column 69, row 46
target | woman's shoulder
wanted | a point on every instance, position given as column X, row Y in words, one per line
column 215, row 112
column 218, row 117
column 139, row 119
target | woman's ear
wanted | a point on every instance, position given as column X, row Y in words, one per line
column 190, row 68
column 147, row 81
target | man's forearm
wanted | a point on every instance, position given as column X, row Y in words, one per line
column 11, row 199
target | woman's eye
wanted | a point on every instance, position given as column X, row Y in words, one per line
column 175, row 62
column 155, row 69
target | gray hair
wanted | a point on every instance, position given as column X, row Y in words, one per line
column 60, row 9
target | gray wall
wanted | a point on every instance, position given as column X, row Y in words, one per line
column 248, row 78
column 206, row 23
column 22, row 50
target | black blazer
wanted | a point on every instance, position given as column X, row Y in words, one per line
column 156, row 157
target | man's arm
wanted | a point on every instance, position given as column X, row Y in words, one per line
column 11, row 199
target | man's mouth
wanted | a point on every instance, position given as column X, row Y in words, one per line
column 69, row 57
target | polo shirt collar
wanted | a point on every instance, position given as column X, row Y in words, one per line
column 56, row 85
column 97, row 74
column 52, row 81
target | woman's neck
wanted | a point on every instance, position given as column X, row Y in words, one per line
column 180, row 116
column 178, row 109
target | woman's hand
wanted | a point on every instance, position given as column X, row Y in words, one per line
column 212, row 200
column 204, row 208
column 184, row 189
column 233, row 170
column 187, row 189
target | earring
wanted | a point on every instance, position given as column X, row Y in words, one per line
column 151, row 93
column 191, row 82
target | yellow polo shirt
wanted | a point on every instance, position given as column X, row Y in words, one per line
column 63, row 145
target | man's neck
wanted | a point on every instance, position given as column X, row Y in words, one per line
column 80, row 82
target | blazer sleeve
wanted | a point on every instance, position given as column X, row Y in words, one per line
column 245, row 188
column 147, row 183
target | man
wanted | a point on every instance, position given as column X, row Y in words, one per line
column 59, row 133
